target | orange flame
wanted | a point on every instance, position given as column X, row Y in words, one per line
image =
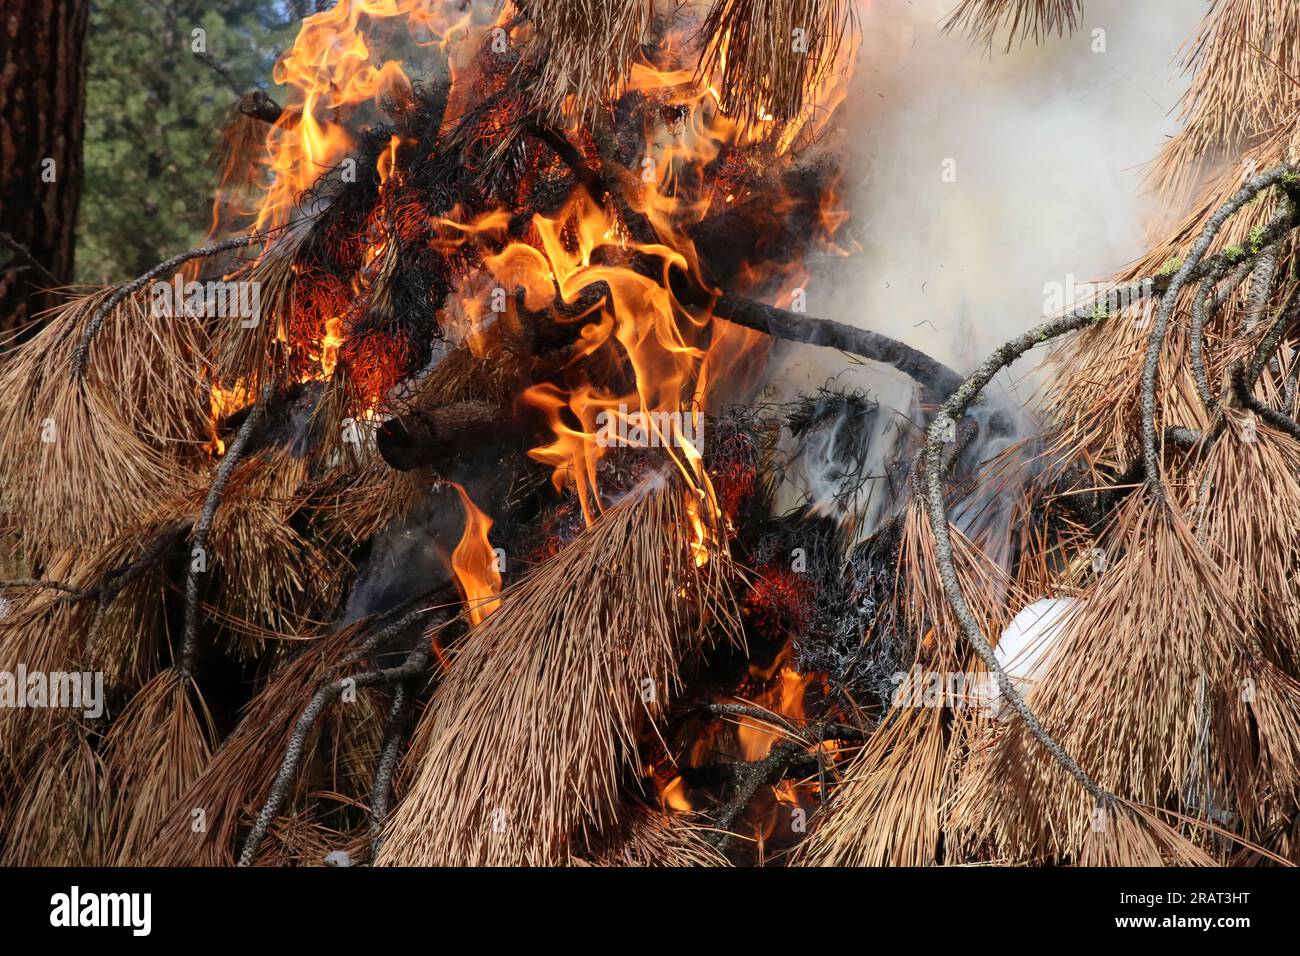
column 786, row 696
column 474, row 563
column 663, row 351
column 223, row 402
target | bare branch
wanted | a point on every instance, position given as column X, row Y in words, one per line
column 24, row 254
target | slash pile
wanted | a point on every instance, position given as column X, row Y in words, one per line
column 461, row 548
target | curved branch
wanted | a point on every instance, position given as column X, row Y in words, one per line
column 81, row 354
column 932, row 456
column 413, row 666
column 1272, row 339
column 1190, row 270
column 185, row 661
column 106, row 590
column 382, row 788
column 1289, row 389
column 940, row 380
column 1242, row 389
column 1204, row 298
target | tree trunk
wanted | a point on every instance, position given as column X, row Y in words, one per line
column 42, row 120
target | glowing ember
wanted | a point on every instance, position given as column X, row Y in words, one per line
column 614, row 260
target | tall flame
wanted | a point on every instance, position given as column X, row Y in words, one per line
column 665, row 356
column 474, row 563
column 330, row 69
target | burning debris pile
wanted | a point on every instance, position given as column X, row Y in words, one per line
column 436, row 516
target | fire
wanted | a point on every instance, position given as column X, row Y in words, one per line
column 645, row 365
column 668, row 345
column 330, row 69
column 227, row 401
column 474, row 563
column 223, row 402
column 701, row 533
column 639, row 323
column 673, row 796
column 785, row 696
column 329, row 346
column 335, row 68
column 788, row 695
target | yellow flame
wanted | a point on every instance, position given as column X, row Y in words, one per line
column 474, row 563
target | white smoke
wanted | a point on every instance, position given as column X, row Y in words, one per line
column 1045, row 147
column 983, row 186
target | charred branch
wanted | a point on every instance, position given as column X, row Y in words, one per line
column 429, row 436
column 750, row 778
column 755, row 231
column 414, row 665
column 185, row 662
column 412, row 611
column 826, row 730
column 934, row 376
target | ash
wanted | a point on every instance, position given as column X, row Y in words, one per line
column 831, row 596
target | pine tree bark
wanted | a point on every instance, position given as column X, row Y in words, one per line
column 42, row 122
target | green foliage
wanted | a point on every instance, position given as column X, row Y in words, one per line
column 1234, row 253
column 154, row 112
column 1171, row 265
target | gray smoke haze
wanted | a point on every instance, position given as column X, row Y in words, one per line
column 976, row 183
column 1047, row 146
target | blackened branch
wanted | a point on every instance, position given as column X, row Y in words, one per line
column 751, row 776
column 414, row 665
column 829, row 730
column 185, row 661
column 780, row 760
column 933, row 375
